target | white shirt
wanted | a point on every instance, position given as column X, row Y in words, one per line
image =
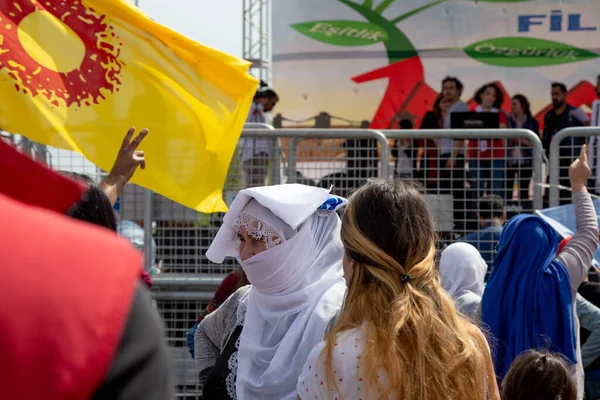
column 312, row 383
column 252, row 147
column 347, row 353
column 404, row 165
column 447, row 144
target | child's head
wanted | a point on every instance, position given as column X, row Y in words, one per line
column 538, row 375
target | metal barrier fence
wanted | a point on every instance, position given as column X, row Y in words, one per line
column 496, row 142
column 175, row 238
column 188, row 280
column 367, row 153
column 499, row 170
column 564, row 148
column 346, row 159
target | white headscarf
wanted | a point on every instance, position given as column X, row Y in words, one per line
column 297, row 286
column 462, row 271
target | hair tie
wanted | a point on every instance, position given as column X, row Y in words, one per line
column 405, row 278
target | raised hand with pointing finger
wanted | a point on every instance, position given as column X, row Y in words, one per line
column 129, row 158
column 580, row 171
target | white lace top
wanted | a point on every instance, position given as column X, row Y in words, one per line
column 312, row 383
column 347, row 354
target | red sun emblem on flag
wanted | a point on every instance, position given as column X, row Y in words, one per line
column 59, row 49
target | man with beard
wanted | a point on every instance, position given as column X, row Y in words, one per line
column 561, row 116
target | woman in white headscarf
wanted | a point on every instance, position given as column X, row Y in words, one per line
column 462, row 271
column 287, row 240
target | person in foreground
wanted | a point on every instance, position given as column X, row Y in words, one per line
column 399, row 335
column 75, row 322
column 529, row 300
column 538, row 375
column 287, row 240
column 462, row 272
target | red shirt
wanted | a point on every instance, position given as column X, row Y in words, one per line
column 488, row 149
column 228, row 286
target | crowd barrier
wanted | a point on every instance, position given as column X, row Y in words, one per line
column 174, row 238
column 563, row 149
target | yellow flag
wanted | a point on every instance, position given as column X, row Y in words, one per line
column 77, row 74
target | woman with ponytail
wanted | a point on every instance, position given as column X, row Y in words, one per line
column 398, row 335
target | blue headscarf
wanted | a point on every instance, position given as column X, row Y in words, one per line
column 527, row 302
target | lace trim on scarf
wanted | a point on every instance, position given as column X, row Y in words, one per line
column 232, row 364
column 257, row 229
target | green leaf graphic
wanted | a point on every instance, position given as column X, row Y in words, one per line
column 342, row 33
column 526, row 52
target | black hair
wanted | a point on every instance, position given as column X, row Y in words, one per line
column 524, row 103
column 265, row 93
column 269, row 94
column 539, row 375
column 95, row 206
column 499, row 95
column 406, row 124
column 457, row 82
column 559, row 85
column 491, row 206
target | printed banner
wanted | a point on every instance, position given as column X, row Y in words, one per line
column 375, row 59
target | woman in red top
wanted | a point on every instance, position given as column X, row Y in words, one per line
column 487, row 158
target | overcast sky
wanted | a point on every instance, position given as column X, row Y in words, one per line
column 216, row 23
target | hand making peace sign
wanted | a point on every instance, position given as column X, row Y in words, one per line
column 129, row 157
column 126, row 163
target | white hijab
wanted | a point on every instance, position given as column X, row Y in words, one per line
column 297, row 286
column 462, row 270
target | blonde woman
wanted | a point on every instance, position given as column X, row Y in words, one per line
column 399, row 335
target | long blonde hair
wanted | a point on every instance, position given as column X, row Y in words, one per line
column 411, row 329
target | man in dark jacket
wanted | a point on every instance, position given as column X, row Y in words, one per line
column 561, row 116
